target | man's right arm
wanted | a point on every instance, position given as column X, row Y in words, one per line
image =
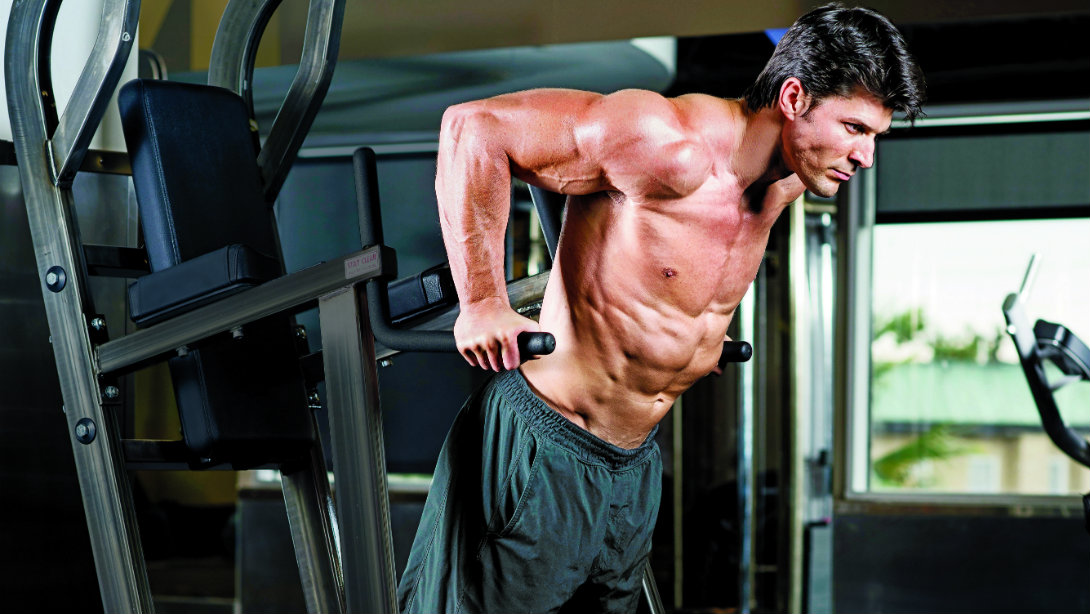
column 478, row 143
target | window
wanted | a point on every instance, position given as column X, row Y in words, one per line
column 950, row 410
column 947, row 222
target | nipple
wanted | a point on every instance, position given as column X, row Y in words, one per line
column 667, row 272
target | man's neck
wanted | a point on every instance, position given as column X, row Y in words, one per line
column 757, row 160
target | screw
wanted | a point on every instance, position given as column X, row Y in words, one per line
column 125, row 36
column 85, row 431
column 98, row 324
column 300, row 332
column 55, row 278
column 112, row 392
column 385, row 362
column 183, row 351
column 236, row 333
column 314, row 400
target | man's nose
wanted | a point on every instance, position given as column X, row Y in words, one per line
column 863, row 154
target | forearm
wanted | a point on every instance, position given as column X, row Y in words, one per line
column 473, row 187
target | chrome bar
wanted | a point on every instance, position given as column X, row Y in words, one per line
column 269, row 298
column 1029, row 279
column 313, row 521
column 95, row 87
column 233, row 52
column 96, row 447
column 651, row 590
column 321, row 43
column 801, row 408
column 359, row 458
column 747, row 472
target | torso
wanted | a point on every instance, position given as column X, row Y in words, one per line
column 639, row 299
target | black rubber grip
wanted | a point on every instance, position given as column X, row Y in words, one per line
column 735, row 351
column 535, row 344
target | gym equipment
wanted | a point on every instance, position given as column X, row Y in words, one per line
column 205, row 303
column 1058, row 345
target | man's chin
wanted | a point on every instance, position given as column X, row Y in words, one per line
column 825, row 189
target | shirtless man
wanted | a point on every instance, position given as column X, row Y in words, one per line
column 547, row 490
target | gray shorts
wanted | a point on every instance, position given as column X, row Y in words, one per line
column 530, row 513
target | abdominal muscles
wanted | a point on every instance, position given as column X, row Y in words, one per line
column 639, row 304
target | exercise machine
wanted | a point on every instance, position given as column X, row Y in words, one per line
column 1048, row 342
column 212, row 299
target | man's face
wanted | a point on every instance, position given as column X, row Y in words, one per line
column 827, row 143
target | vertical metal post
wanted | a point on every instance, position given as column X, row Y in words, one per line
column 359, row 458
column 746, row 470
column 312, row 518
column 799, row 425
column 678, row 462
column 107, row 500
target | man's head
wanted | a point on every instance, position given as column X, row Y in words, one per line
column 835, row 51
column 834, row 81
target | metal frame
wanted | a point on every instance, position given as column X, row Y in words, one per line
column 96, row 444
column 232, row 67
column 45, row 178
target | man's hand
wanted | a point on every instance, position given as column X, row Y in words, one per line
column 487, row 334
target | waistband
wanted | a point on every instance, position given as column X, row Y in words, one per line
column 549, row 423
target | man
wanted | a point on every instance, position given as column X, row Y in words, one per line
column 547, row 490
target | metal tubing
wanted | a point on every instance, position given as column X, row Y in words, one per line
column 95, row 87
column 321, row 42
column 313, row 521
column 107, row 500
column 1030, row 277
column 359, row 458
column 235, row 48
column 651, row 590
column 272, row 297
column 746, row 468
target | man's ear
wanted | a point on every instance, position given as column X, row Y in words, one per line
column 793, row 101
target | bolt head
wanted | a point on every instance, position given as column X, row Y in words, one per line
column 98, row 324
column 112, row 392
column 85, row 431
column 55, row 278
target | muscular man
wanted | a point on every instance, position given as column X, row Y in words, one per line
column 547, row 490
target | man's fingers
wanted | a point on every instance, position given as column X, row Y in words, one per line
column 510, row 355
column 470, row 357
column 495, row 362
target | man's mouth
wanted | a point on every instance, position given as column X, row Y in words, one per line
column 841, row 175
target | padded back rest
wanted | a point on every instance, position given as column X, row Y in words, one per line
column 194, row 169
column 243, row 401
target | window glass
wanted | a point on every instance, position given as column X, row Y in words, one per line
column 950, row 409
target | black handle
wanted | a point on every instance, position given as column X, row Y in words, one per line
column 735, row 351
column 535, row 344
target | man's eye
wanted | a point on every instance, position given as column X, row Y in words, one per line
column 854, row 128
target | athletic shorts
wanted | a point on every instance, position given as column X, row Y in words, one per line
column 530, row 513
